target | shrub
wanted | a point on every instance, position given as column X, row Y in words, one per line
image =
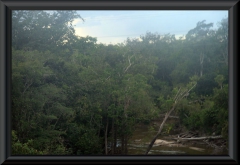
column 19, row 148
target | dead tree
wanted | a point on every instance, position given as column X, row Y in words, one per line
column 179, row 96
column 130, row 64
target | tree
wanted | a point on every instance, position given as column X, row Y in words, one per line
column 219, row 79
column 179, row 96
column 73, row 96
column 43, row 30
column 199, row 37
column 222, row 37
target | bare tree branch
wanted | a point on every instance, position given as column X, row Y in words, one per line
column 27, row 85
column 176, row 97
column 129, row 64
column 167, row 116
column 160, row 128
column 108, row 77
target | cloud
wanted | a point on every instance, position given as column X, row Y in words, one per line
column 116, row 26
column 107, row 29
column 76, row 21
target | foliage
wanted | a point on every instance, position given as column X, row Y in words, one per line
column 70, row 95
column 19, row 148
column 213, row 116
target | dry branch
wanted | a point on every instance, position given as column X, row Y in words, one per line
column 167, row 116
column 198, row 138
column 129, row 64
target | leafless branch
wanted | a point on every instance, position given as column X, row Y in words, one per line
column 175, row 98
column 129, row 64
column 27, row 85
column 186, row 115
column 57, row 121
column 187, row 91
column 166, row 117
column 108, row 77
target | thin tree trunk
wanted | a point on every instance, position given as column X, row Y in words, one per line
column 201, row 63
column 115, row 140
column 106, row 149
column 160, row 129
column 125, row 145
column 122, row 144
column 112, row 141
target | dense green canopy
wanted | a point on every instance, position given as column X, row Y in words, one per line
column 71, row 95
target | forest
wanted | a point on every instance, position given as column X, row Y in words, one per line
column 73, row 96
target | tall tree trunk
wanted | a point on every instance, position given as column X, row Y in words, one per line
column 112, row 141
column 115, row 139
column 201, row 63
column 124, row 138
column 106, row 132
column 122, row 144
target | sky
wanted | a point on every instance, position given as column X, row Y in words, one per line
column 112, row 26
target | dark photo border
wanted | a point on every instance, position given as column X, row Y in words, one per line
column 6, row 6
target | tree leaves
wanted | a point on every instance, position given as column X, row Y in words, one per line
column 69, row 93
column 42, row 30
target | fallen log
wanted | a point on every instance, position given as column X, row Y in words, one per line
column 198, row 138
column 197, row 149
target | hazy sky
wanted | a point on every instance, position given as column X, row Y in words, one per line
column 112, row 26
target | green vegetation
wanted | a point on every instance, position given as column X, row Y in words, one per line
column 72, row 96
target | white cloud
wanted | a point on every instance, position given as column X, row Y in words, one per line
column 116, row 26
column 107, row 29
column 76, row 21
